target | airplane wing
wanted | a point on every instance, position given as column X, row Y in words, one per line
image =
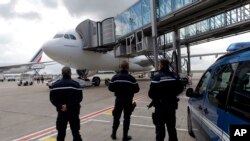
column 34, row 64
column 145, row 62
column 30, row 65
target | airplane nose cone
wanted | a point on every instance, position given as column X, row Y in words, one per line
column 46, row 47
column 50, row 48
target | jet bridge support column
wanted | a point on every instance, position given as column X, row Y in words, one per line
column 154, row 32
column 177, row 49
column 189, row 60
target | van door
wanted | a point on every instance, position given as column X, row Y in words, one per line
column 238, row 106
column 215, row 101
column 196, row 106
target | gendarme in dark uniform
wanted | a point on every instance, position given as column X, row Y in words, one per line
column 124, row 86
column 163, row 91
column 66, row 95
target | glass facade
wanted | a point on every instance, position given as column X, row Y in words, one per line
column 138, row 15
column 165, row 39
column 228, row 18
column 164, row 8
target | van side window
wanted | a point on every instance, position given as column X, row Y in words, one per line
column 202, row 85
column 220, row 84
column 240, row 94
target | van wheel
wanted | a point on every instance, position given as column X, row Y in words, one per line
column 96, row 81
column 25, row 83
column 189, row 125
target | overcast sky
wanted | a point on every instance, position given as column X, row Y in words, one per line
column 26, row 24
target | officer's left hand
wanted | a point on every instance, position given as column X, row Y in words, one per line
column 64, row 108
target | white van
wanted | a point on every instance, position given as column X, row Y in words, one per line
column 1, row 77
column 10, row 78
column 25, row 80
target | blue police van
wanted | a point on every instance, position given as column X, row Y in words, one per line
column 222, row 96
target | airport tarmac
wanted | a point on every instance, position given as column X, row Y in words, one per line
column 27, row 114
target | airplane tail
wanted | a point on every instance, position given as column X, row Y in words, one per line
column 37, row 57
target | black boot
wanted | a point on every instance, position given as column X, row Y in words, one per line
column 113, row 135
column 116, row 124
column 125, row 136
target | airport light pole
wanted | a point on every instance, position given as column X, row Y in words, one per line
column 154, row 32
column 189, row 60
column 177, row 50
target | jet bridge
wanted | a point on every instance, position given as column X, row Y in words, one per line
column 97, row 36
column 136, row 44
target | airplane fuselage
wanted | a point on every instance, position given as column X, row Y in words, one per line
column 70, row 52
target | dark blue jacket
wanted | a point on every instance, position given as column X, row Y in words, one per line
column 66, row 91
column 165, row 87
column 124, row 85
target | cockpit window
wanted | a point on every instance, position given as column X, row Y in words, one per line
column 66, row 36
column 58, row 36
column 69, row 36
column 72, row 37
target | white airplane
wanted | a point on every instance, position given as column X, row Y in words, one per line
column 66, row 48
column 34, row 64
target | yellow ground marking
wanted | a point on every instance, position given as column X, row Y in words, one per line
column 109, row 112
column 50, row 139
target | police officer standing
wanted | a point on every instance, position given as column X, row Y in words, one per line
column 163, row 91
column 66, row 95
column 124, row 86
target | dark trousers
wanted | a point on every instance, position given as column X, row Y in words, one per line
column 126, row 106
column 162, row 118
column 61, row 125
